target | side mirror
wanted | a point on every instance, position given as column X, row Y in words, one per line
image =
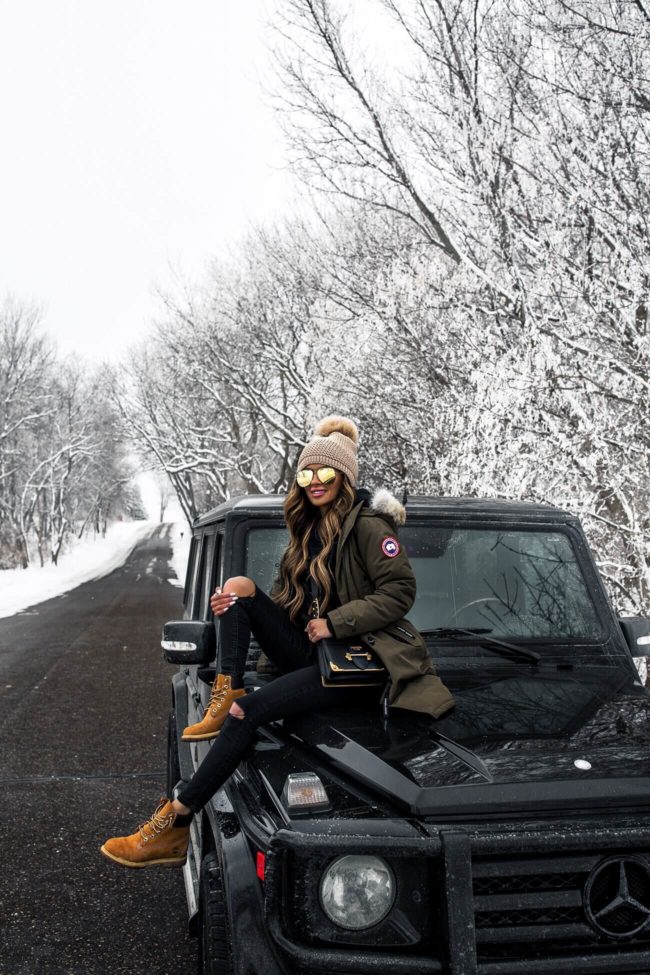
column 189, row 642
column 636, row 630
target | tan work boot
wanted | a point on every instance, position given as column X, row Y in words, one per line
column 156, row 842
column 216, row 712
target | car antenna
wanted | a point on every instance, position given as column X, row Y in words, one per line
column 405, row 497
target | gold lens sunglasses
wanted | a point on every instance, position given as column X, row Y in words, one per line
column 326, row 475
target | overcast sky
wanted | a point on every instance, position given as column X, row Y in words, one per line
column 136, row 136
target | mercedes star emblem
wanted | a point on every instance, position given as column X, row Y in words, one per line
column 616, row 896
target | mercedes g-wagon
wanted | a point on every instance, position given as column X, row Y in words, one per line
column 508, row 837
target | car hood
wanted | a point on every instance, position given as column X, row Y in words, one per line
column 522, row 743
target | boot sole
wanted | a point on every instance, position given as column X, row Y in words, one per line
column 210, row 734
column 148, row 863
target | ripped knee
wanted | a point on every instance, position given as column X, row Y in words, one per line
column 236, row 711
column 240, row 586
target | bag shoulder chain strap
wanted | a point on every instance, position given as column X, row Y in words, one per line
column 314, row 606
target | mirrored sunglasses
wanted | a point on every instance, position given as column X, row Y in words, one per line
column 325, row 475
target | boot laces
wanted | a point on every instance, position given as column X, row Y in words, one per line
column 157, row 824
column 217, row 699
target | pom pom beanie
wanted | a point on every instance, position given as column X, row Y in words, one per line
column 334, row 444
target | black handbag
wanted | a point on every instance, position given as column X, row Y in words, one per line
column 342, row 663
column 346, row 664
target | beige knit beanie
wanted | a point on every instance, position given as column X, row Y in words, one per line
column 334, row 444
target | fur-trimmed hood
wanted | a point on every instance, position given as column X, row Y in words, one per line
column 385, row 503
column 382, row 502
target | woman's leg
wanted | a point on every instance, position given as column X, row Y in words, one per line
column 284, row 642
column 163, row 839
column 293, row 693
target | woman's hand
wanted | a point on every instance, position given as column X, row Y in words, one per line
column 318, row 630
column 222, row 601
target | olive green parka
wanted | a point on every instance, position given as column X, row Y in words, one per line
column 376, row 587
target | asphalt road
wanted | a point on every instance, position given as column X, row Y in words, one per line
column 84, row 697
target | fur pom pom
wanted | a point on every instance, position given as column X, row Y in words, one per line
column 337, row 424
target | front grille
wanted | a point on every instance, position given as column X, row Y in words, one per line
column 532, row 908
column 550, row 881
column 542, row 915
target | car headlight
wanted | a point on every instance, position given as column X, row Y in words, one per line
column 357, row 891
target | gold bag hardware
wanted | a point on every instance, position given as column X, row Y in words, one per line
column 364, row 668
column 349, row 656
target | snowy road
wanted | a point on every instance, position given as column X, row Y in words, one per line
column 84, row 697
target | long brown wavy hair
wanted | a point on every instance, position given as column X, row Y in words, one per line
column 300, row 516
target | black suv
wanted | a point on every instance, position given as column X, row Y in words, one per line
column 508, row 837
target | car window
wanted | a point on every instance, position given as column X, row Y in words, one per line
column 193, row 566
column 207, row 576
column 520, row 583
column 264, row 548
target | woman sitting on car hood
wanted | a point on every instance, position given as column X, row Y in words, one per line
column 343, row 574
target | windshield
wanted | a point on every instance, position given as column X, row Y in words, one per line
column 513, row 583
column 526, row 584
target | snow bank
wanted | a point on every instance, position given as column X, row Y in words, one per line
column 88, row 560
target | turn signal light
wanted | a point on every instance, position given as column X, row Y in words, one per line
column 304, row 792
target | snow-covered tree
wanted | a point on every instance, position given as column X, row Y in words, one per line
column 471, row 283
column 511, row 138
column 63, row 467
column 219, row 394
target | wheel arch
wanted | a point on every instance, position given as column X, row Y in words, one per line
column 244, row 895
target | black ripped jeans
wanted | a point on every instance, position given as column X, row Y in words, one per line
column 298, row 689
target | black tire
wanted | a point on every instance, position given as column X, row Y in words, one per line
column 173, row 761
column 215, row 937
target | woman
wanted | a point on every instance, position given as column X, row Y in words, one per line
column 343, row 574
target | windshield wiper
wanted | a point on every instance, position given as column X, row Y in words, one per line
column 489, row 642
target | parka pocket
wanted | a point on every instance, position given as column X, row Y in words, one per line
column 404, row 632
